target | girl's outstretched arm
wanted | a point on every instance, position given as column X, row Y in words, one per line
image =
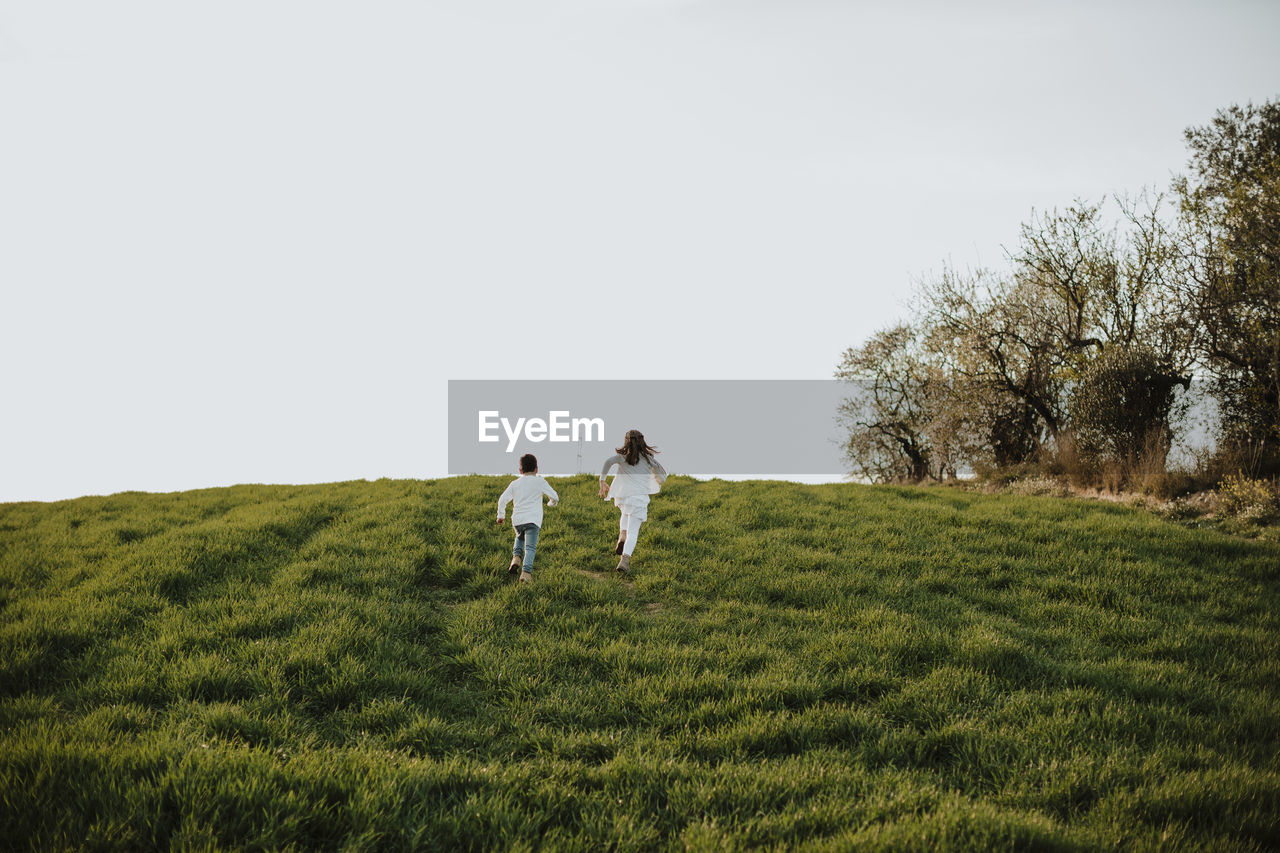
column 604, row 473
column 609, row 463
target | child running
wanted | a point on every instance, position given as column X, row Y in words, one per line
column 639, row 475
column 526, row 491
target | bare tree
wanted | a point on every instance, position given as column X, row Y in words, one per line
column 995, row 337
column 1111, row 285
column 892, row 414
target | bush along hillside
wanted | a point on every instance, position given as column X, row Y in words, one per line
column 349, row 666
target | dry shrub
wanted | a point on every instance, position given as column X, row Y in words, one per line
column 999, row 477
column 1147, row 472
column 1067, row 461
column 1176, row 484
column 1112, row 476
column 1180, row 509
column 1141, row 471
column 1039, row 486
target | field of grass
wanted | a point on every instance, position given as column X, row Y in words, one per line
column 839, row 666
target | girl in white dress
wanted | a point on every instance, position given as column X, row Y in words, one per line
column 639, row 475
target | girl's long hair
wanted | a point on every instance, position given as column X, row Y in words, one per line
column 633, row 447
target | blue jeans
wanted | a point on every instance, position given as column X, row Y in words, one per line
column 526, row 543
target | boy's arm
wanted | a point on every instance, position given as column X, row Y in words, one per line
column 506, row 498
column 551, row 493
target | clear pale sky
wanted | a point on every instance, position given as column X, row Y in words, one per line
column 251, row 241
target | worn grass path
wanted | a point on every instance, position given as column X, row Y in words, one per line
column 348, row 666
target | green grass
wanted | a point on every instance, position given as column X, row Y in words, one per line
column 350, row 666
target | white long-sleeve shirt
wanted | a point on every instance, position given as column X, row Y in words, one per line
column 643, row 478
column 526, row 491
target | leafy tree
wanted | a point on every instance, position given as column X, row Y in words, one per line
column 1231, row 215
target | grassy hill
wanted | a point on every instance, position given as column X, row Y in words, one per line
column 349, row 666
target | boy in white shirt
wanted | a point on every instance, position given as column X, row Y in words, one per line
column 526, row 491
